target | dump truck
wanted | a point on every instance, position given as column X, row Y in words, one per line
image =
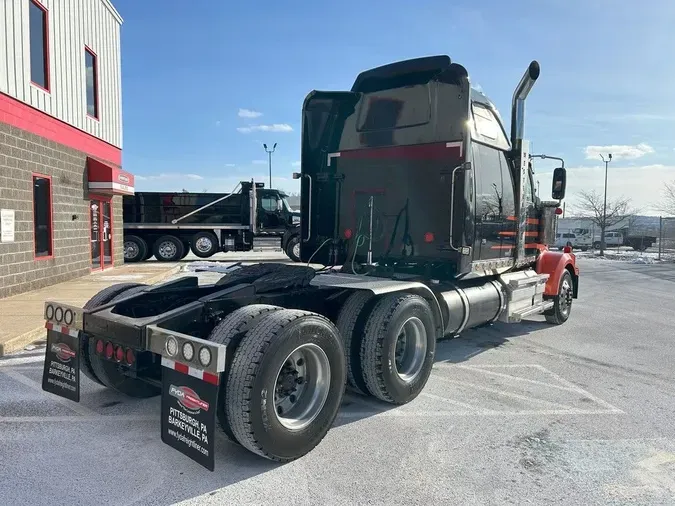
column 419, row 221
column 169, row 225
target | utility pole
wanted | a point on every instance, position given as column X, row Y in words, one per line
column 604, row 207
column 269, row 156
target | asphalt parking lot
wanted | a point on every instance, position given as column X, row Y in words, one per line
column 519, row 414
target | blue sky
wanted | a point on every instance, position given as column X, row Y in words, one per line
column 189, row 67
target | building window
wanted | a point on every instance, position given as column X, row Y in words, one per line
column 42, row 216
column 39, row 47
column 91, row 68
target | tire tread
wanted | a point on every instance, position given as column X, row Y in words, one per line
column 245, row 368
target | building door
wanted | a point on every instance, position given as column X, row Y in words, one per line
column 100, row 214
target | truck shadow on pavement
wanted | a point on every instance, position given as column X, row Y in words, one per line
column 471, row 343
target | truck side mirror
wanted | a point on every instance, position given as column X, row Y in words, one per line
column 280, row 205
column 559, row 183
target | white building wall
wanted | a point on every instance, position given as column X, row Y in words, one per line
column 72, row 25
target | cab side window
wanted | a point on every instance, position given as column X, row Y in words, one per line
column 269, row 203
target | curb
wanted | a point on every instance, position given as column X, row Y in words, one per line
column 19, row 342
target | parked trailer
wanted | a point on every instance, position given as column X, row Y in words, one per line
column 169, row 225
column 266, row 351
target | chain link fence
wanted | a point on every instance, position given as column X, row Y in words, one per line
column 666, row 243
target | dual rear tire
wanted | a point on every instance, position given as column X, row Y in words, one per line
column 390, row 343
column 285, row 379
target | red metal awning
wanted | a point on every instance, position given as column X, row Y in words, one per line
column 109, row 180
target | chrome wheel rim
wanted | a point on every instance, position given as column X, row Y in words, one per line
column 565, row 298
column 411, row 349
column 167, row 249
column 296, row 250
column 301, row 387
column 204, row 244
column 131, row 250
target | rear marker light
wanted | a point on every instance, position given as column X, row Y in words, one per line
column 68, row 317
column 204, row 356
column 429, row 237
column 172, row 346
column 131, row 358
column 188, row 351
column 109, row 350
column 348, row 233
column 119, row 354
column 58, row 314
column 49, row 313
column 99, row 347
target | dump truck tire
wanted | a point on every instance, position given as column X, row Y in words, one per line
column 293, row 248
column 229, row 332
column 350, row 323
column 103, row 297
column 109, row 372
column 398, row 347
column 562, row 302
column 204, row 244
column 135, row 249
column 286, row 384
column 168, row 248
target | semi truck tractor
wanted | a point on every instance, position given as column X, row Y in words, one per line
column 419, row 221
column 169, row 225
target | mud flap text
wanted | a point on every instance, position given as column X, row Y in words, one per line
column 61, row 374
column 189, row 416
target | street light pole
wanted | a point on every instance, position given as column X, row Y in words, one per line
column 269, row 156
column 604, row 207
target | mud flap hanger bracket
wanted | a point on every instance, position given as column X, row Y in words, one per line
column 192, row 351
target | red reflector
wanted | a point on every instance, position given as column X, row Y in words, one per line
column 99, row 347
column 119, row 354
column 558, row 210
column 428, row 237
column 109, row 350
column 130, row 356
column 348, row 233
column 567, row 249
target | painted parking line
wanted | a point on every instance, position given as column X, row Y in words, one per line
column 484, row 390
column 78, row 419
column 34, row 385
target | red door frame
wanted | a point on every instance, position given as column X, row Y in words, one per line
column 102, row 266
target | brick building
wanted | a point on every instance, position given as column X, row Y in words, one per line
column 60, row 141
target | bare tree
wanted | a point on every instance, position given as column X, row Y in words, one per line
column 667, row 205
column 590, row 205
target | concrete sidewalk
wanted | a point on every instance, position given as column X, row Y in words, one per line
column 21, row 316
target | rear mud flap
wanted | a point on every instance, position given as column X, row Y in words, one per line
column 189, row 398
column 61, row 374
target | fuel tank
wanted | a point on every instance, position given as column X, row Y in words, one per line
column 470, row 304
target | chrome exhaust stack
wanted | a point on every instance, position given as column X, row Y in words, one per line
column 518, row 104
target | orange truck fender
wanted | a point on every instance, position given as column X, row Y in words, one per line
column 554, row 263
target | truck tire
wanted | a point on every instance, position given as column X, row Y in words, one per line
column 229, row 332
column 168, row 248
column 204, row 244
column 293, row 248
column 272, row 410
column 109, row 372
column 186, row 252
column 350, row 322
column 101, row 298
column 135, row 248
column 398, row 347
column 562, row 303
column 596, row 245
